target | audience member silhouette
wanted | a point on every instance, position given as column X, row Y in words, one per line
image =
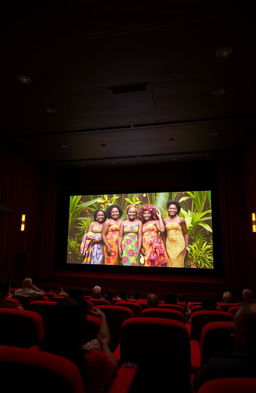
column 241, row 362
column 64, row 336
column 96, row 292
column 209, row 303
column 247, row 295
column 227, row 297
column 152, row 300
column 170, row 298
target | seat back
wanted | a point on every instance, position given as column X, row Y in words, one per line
column 116, row 315
column 98, row 302
column 229, row 385
column 38, row 371
column 163, row 313
column 135, row 307
column 178, row 307
column 233, row 309
column 92, row 327
column 216, row 339
column 42, row 307
column 161, row 349
column 21, row 328
column 200, row 318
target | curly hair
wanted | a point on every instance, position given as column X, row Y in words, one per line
column 151, row 209
column 109, row 210
column 135, row 207
column 177, row 204
column 96, row 212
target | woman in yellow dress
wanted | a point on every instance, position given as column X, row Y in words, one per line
column 110, row 234
column 153, row 249
column 177, row 235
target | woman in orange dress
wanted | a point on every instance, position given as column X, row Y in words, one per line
column 153, row 249
column 177, row 235
column 110, row 234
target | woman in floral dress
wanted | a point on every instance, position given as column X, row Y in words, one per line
column 130, row 237
column 110, row 234
column 153, row 249
column 92, row 246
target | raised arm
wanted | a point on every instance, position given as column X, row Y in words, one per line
column 159, row 223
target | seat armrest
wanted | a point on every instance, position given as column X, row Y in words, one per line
column 123, row 379
column 195, row 355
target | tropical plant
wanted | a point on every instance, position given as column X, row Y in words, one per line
column 201, row 255
column 73, row 250
column 161, row 201
column 200, row 200
column 75, row 208
column 133, row 200
column 105, row 201
column 195, row 219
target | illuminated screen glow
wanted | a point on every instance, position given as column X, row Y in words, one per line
column 181, row 241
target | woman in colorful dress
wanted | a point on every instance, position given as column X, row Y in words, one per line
column 92, row 245
column 177, row 235
column 130, row 237
column 153, row 249
column 110, row 234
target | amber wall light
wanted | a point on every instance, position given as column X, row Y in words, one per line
column 253, row 222
column 23, row 220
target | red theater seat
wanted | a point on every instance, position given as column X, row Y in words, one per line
column 163, row 313
column 38, row 371
column 42, row 307
column 135, row 307
column 229, row 385
column 215, row 339
column 161, row 349
column 97, row 302
column 115, row 316
column 233, row 309
column 178, row 307
column 200, row 318
column 21, row 328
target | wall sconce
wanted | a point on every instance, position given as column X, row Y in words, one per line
column 22, row 225
column 254, row 222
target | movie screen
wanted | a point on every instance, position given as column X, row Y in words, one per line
column 159, row 230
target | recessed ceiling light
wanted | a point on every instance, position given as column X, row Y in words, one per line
column 51, row 110
column 218, row 92
column 25, row 79
column 224, row 52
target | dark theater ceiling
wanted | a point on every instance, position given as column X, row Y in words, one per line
column 97, row 82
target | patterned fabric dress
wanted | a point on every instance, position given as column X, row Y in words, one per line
column 153, row 246
column 130, row 245
column 93, row 253
column 175, row 244
column 112, row 237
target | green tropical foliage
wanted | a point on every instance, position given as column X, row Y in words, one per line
column 201, row 255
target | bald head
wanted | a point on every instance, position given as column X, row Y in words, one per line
column 27, row 283
column 227, row 296
column 152, row 300
column 245, row 327
column 96, row 291
column 247, row 295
